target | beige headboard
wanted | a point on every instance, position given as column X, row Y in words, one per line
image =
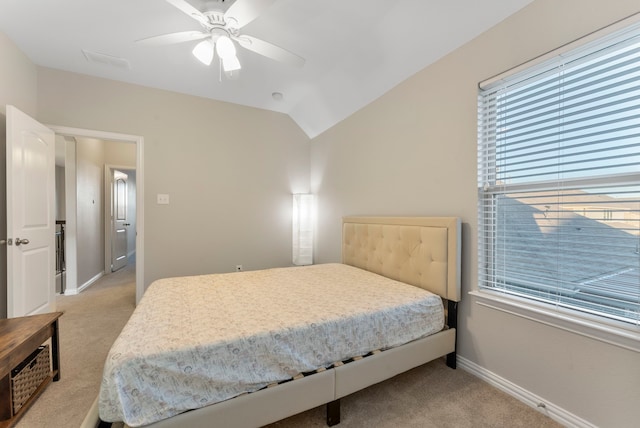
column 421, row 251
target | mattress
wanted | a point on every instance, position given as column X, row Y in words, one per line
column 194, row 341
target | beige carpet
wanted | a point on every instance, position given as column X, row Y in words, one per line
column 429, row 396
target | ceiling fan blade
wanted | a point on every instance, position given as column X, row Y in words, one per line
column 189, row 10
column 172, row 38
column 245, row 11
column 270, row 50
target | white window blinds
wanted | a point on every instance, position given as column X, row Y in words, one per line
column 559, row 181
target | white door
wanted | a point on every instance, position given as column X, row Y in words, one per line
column 119, row 222
column 30, row 216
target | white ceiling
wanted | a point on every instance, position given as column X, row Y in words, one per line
column 355, row 50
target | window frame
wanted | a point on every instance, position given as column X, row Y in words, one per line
column 618, row 333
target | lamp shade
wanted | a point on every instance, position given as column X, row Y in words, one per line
column 231, row 63
column 225, row 48
column 204, row 52
column 302, row 229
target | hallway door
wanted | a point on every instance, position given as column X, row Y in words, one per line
column 119, row 229
column 30, row 215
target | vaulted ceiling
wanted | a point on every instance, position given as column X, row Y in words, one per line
column 354, row 50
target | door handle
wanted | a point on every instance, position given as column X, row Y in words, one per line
column 21, row 242
column 126, row 224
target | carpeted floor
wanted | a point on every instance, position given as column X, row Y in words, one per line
column 429, row 396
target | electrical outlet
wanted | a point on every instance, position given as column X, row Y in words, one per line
column 238, row 268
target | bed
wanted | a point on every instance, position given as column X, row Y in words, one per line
column 245, row 349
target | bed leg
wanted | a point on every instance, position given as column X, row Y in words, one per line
column 333, row 413
column 451, row 360
column 452, row 322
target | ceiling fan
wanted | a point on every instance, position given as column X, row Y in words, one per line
column 221, row 29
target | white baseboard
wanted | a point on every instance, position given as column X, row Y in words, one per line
column 556, row 413
column 74, row 291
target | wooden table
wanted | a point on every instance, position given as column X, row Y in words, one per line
column 19, row 337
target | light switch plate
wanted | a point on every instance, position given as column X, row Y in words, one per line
column 163, row 199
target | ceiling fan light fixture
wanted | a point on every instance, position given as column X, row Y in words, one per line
column 231, row 63
column 225, row 47
column 204, row 52
column 220, row 32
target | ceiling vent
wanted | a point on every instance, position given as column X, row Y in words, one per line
column 104, row 59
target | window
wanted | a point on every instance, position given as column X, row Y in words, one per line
column 559, row 182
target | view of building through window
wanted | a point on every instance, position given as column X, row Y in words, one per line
column 574, row 247
column 559, row 181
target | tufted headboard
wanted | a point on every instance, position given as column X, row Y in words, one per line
column 421, row 251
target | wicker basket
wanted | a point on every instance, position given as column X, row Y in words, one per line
column 29, row 375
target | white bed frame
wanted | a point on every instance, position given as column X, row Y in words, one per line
column 422, row 251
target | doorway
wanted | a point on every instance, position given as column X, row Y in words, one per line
column 119, row 217
column 72, row 224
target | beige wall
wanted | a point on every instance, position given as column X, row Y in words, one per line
column 18, row 87
column 413, row 152
column 229, row 170
column 120, row 153
column 18, row 84
column 90, row 160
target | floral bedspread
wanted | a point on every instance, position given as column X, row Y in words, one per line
column 194, row 341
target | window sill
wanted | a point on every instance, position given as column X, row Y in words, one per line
column 620, row 334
